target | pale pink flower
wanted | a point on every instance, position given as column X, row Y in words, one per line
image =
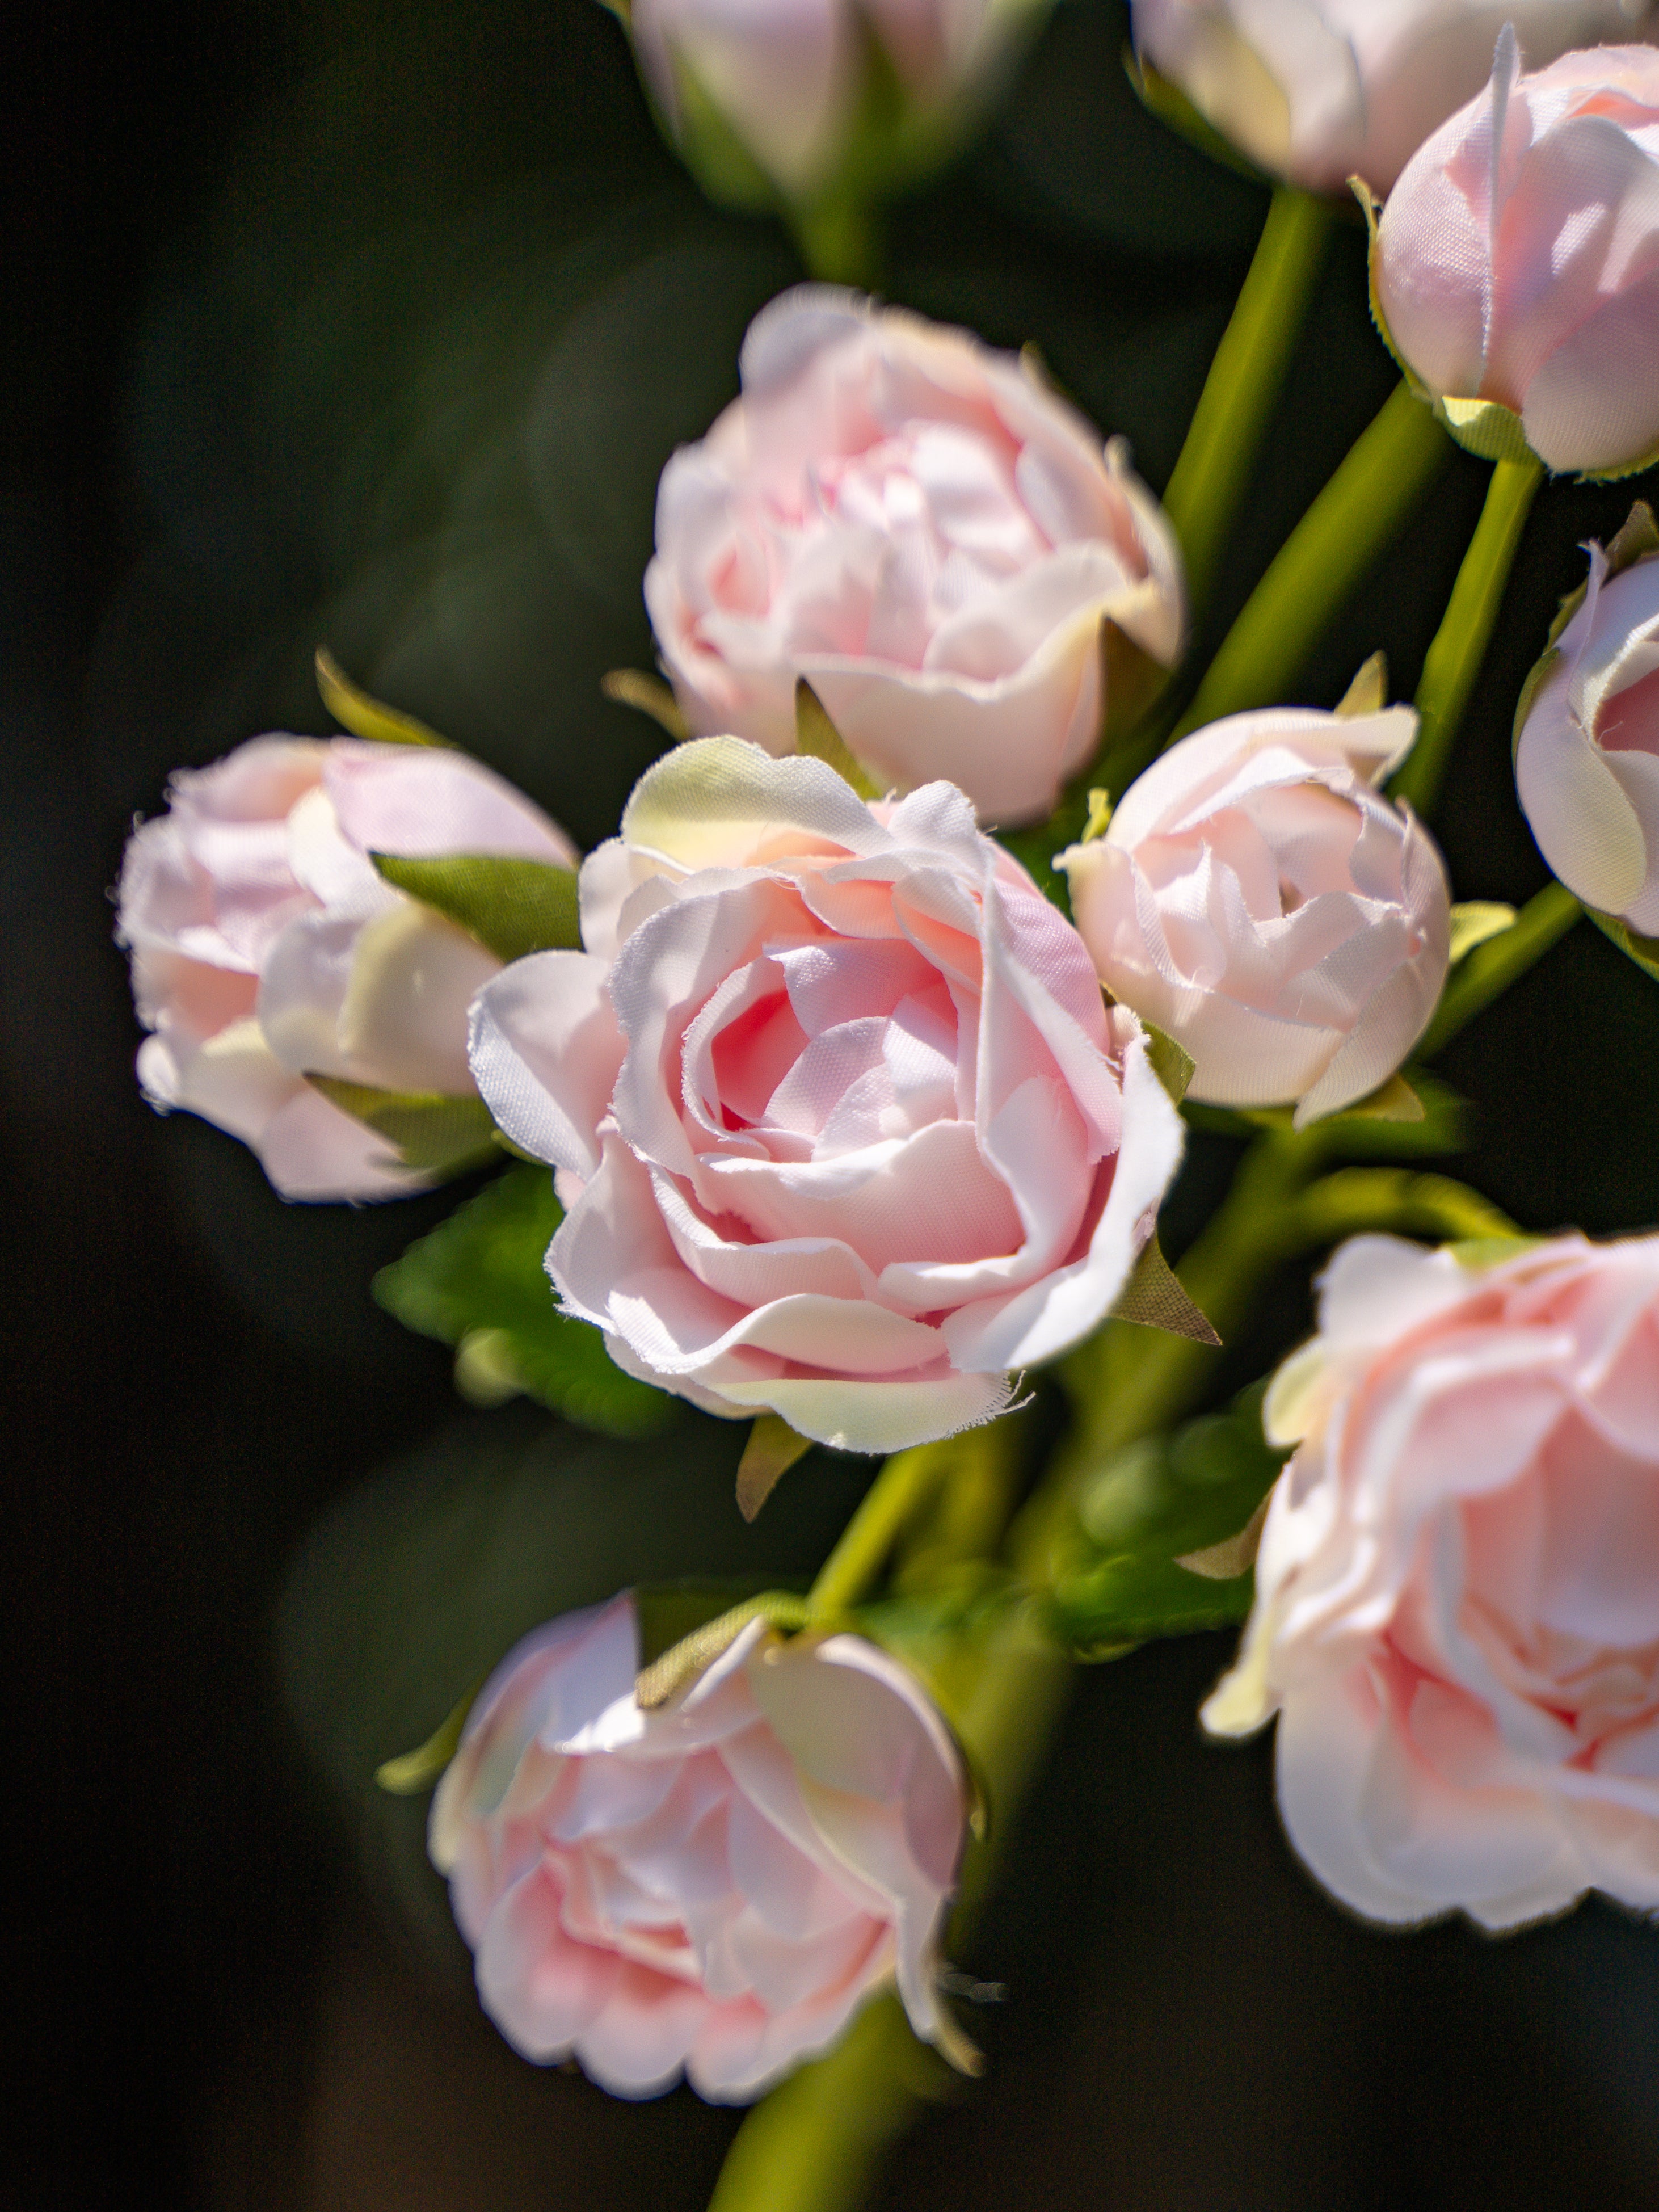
column 1517, row 261
column 1258, row 898
column 788, row 78
column 920, row 528
column 845, row 1130
column 1587, row 755
column 265, row 947
column 713, row 1885
column 1318, row 91
column 1456, row 1612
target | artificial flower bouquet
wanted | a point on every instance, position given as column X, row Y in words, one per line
column 836, row 1095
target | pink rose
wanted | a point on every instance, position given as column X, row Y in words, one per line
column 845, row 1130
column 1258, row 898
column 921, row 529
column 1517, row 261
column 714, row 1885
column 1456, row 1612
column 1587, row 753
column 1319, row 91
column 265, row 948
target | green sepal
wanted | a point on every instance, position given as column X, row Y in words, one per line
column 484, row 1269
column 1172, row 1064
column 1172, row 108
column 1477, row 921
column 648, row 695
column 1643, row 950
column 684, row 1659
column 511, row 906
column 363, row 716
column 429, row 1130
column 816, row 736
column 668, row 1612
column 772, row 1450
column 1155, row 1297
column 1414, row 1114
column 1484, row 427
column 419, row 1769
column 1476, row 1253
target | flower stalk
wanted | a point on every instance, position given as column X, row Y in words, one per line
column 1452, row 660
column 1225, row 437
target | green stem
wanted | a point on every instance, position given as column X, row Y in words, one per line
column 840, row 240
column 1454, row 659
column 1384, row 475
column 892, row 1501
column 1493, row 966
column 1231, row 417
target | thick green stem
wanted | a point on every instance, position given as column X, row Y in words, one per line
column 1347, row 530
column 1210, row 477
column 1453, row 659
column 840, row 240
column 1493, row 966
column 892, row 1501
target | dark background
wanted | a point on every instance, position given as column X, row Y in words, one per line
column 373, row 325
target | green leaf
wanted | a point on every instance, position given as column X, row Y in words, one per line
column 484, row 1270
column 353, row 709
column 1149, row 1505
column 428, row 1129
column 512, row 906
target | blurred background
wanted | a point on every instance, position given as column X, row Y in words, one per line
column 373, row 326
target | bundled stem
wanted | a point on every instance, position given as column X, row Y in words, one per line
column 1239, row 394
column 1454, row 659
column 1350, row 525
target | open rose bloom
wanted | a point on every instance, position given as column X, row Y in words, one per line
column 266, row 948
column 1318, row 91
column 845, row 1130
column 1587, row 753
column 1517, row 262
column 920, row 527
column 711, row 1886
column 1258, row 898
column 1456, row 1614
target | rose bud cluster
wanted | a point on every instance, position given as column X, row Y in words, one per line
column 1517, row 264
column 845, row 1131
column 1587, row 745
column 266, row 948
column 1319, row 91
column 713, row 1885
column 802, row 93
column 918, row 525
column 1456, row 1612
column 1259, row 899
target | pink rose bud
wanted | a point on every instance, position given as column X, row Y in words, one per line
column 920, row 528
column 713, row 1885
column 1586, row 751
column 1318, row 91
column 1456, row 1612
column 1517, row 264
column 1258, row 898
column 844, row 1128
column 265, row 947
column 797, row 84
